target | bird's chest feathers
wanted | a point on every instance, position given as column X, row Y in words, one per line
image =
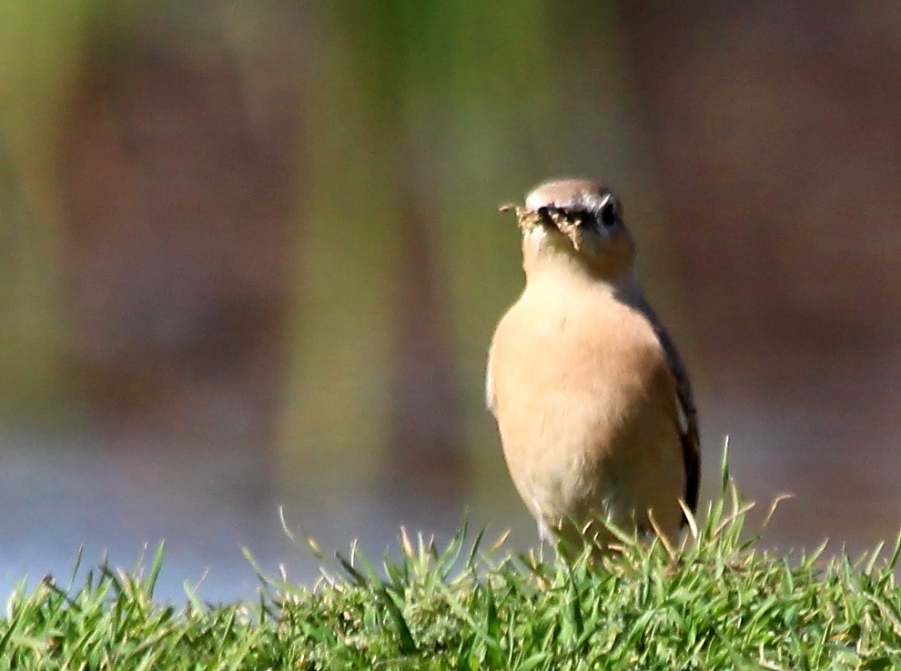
column 595, row 345
column 571, row 370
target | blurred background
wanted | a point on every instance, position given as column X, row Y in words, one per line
column 250, row 257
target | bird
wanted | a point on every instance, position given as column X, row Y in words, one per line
column 593, row 404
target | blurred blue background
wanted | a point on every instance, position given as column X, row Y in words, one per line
column 250, row 257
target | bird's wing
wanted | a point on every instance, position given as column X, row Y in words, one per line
column 688, row 414
column 688, row 417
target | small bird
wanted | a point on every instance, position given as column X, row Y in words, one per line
column 592, row 402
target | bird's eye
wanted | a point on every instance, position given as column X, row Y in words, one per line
column 608, row 215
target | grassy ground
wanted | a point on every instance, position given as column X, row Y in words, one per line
column 716, row 603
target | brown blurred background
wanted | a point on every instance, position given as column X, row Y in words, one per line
column 250, row 257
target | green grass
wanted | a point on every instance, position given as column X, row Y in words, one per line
column 715, row 603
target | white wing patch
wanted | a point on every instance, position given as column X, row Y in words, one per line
column 683, row 415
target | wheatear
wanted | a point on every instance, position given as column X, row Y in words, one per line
column 592, row 401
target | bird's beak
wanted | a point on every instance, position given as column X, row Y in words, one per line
column 529, row 219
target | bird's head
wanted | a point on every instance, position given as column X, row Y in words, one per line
column 578, row 222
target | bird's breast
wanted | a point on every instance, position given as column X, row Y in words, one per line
column 576, row 379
